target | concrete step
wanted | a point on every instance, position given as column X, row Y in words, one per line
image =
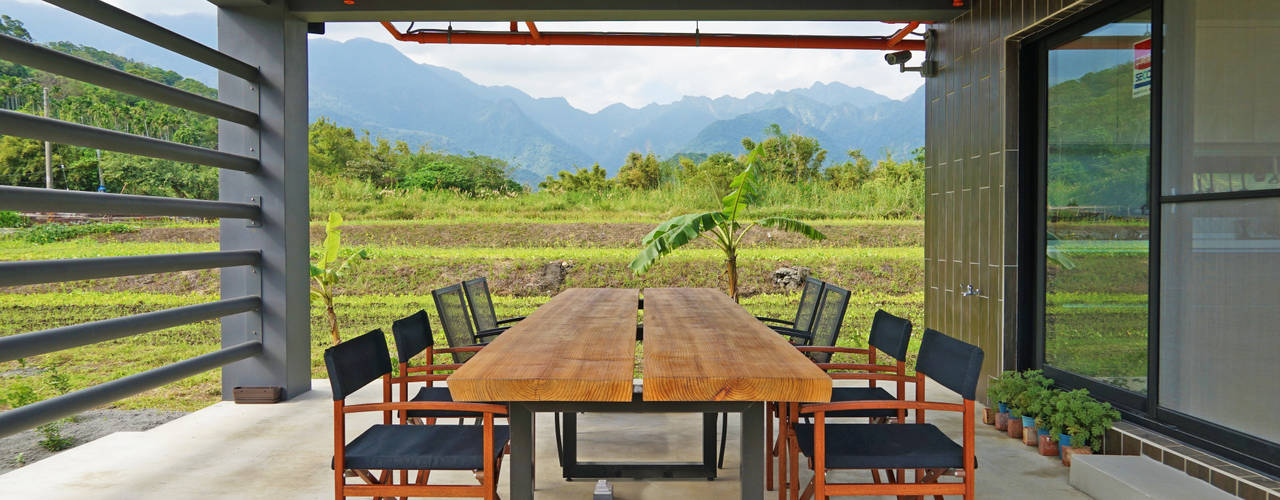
column 1112, row 477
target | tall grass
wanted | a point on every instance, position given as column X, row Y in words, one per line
column 357, row 199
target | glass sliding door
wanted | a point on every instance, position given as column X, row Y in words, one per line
column 1220, row 242
column 1095, row 203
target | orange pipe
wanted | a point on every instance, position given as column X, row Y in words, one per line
column 656, row 40
column 902, row 33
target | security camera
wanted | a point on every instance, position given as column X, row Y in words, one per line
column 926, row 69
column 898, row 58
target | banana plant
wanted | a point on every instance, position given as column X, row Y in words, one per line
column 725, row 228
column 326, row 273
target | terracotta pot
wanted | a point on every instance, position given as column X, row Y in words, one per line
column 988, row 416
column 1015, row 428
column 1048, row 447
column 1029, row 436
column 1074, row 450
column 1002, row 421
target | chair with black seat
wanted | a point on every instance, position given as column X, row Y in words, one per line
column 824, row 330
column 922, row 447
column 806, row 310
column 890, row 335
column 451, row 308
column 412, row 335
column 389, row 448
column 482, row 312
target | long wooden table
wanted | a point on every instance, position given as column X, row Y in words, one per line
column 702, row 353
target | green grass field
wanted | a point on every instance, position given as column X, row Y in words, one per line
column 881, row 261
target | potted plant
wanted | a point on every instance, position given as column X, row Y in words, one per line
column 1000, row 390
column 1028, row 404
column 1042, row 407
column 1014, row 426
column 1080, row 423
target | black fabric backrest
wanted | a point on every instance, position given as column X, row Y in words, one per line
column 480, row 304
column 356, row 362
column 954, row 364
column 412, row 334
column 826, row 326
column 451, row 309
column 808, row 303
column 890, row 334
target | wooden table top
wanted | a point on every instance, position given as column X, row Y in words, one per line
column 579, row 346
column 699, row 345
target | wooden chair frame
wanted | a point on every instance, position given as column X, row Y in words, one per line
column 847, row 371
column 926, row 481
column 406, row 374
column 382, row 485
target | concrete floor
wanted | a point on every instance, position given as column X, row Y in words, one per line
column 283, row 451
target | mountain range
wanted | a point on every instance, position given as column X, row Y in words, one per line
column 369, row 85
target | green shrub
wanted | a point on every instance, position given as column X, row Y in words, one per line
column 13, row 219
column 1081, row 417
column 53, row 232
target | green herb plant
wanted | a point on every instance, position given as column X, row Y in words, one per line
column 1032, row 387
column 1083, row 418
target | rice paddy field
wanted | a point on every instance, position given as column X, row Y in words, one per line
column 880, row 260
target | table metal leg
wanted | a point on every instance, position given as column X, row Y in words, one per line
column 751, row 469
column 522, row 452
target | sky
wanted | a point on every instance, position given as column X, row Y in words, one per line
column 591, row 78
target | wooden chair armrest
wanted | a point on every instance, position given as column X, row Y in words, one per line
column 428, row 405
column 510, row 320
column 468, row 348
column 880, row 405
column 434, row 368
column 434, row 377
column 857, row 367
column 873, row 376
column 850, row 350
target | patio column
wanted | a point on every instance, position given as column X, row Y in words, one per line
column 268, row 37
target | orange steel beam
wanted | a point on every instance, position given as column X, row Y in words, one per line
column 902, row 33
column 654, row 39
column 533, row 30
column 515, row 26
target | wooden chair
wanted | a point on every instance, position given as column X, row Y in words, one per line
column 481, row 305
column 389, row 448
column 412, row 335
column 805, row 311
column 923, row 447
column 890, row 335
column 451, row 308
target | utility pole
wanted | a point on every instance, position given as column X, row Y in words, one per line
column 48, row 148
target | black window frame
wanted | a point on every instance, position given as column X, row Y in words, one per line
column 1144, row 410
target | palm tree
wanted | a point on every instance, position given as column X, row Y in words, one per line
column 724, row 227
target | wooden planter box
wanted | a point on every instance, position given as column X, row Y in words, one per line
column 256, row 395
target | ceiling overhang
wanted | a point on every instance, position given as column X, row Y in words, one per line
column 623, row 10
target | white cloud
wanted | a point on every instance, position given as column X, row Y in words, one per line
column 594, row 77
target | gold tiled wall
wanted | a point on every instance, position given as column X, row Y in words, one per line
column 971, row 173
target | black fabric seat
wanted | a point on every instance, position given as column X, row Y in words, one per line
column 437, row 394
column 415, row 447
column 884, row 446
column 839, row 394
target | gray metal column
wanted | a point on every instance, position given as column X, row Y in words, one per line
column 751, row 469
column 268, row 37
column 523, row 426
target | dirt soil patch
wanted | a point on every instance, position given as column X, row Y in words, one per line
column 24, row 447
